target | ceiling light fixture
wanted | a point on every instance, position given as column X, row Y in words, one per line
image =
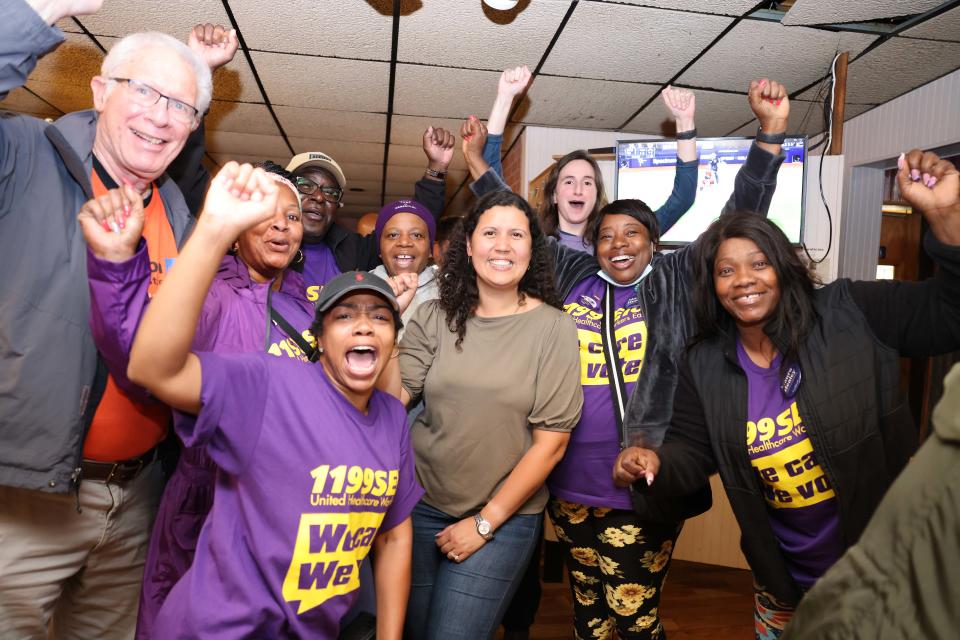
column 501, row 5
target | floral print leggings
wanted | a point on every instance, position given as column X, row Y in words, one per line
column 618, row 564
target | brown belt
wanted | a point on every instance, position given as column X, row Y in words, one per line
column 116, row 472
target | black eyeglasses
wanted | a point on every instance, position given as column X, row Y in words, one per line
column 308, row 187
column 146, row 96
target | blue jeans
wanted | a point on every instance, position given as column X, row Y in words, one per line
column 465, row 601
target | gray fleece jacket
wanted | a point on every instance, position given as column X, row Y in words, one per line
column 50, row 375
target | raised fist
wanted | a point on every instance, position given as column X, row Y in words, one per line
column 513, row 81
column 239, row 197
column 769, row 102
column 404, row 287
column 53, row 10
column 932, row 185
column 438, row 145
column 474, row 135
column 682, row 105
column 112, row 224
column 215, row 43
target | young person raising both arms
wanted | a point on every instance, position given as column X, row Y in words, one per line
column 298, row 505
column 575, row 187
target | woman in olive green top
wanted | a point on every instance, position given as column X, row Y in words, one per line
column 496, row 362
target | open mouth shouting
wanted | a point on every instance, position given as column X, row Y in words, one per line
column 361, row 360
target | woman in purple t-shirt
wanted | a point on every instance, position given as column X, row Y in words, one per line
column 792, row 392
column 314, row 467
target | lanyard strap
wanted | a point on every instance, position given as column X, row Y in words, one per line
column 618, row 390
column 274, row 317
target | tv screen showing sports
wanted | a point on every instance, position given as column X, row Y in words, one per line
column 645, row 170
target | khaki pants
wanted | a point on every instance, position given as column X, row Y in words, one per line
column 65, row 574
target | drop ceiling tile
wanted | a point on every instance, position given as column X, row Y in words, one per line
column 806, row 118
column 68, row 25
column 795, row 56
column 251, row 144
column 234, row 81
column 223, row 158
column 413, row 156
column 946, row 26
column 409, row 130
column 332, row 125
column 717, row 113
column 821, row 12
column 64, row 96
column 366, row 200
column 72, row 63
column 341, row 29
column 176, row 18
column 443, row 91
column 324, row 83
column 404, row 188
column 634, row 44
column 365, row 186
column 241, row 117
column 22, row 101
column 582, row 104
column 474, row 39
column 897, row 66
column 722, row 7
column 361, row 172
column 340, row 150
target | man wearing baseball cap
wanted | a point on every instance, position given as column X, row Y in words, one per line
column 328, row 248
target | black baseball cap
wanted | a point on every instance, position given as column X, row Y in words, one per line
column 351, row 281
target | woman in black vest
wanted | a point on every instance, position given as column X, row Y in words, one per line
column 792, row 393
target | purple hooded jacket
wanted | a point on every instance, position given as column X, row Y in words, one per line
column 233, row 320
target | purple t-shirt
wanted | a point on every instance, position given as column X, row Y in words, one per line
column 800, row 500
column 574, row 242
column 585, row 474
column 305, row 482
column 319, row 267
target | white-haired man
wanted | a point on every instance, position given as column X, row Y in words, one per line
column 79, row 481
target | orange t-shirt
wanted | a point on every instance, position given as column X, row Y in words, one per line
column 121, row 428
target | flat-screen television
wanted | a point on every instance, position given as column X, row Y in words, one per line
column 646, row 168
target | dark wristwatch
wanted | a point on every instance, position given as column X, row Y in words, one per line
column 484, row 528
column 770, row 138
column 438, row 175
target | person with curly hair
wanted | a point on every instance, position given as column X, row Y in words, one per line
column 495, row 360
column 256, row 303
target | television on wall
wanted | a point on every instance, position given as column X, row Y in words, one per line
column 646, row 168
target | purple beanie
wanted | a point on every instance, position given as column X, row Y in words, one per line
column 404, row 206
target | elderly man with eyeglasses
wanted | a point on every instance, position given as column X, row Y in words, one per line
column 79, row 481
